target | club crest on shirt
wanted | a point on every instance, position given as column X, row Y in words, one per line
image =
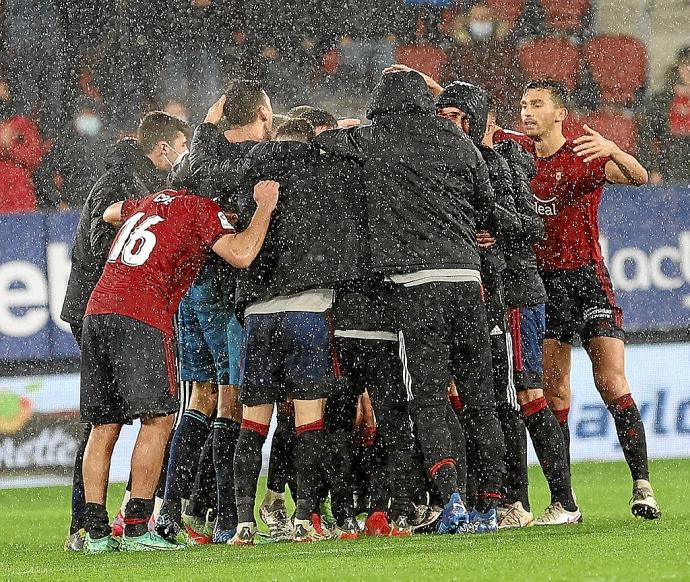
column 559, row 175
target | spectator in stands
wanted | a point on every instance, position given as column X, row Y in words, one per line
column 79, row 156
column 667, row 130
column 485, row 55
column 368, row 35
column 428, row 16
column 21, row 152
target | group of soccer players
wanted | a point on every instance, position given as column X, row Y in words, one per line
column 403, row 295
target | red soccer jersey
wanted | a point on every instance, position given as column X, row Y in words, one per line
column 567, row 194
column 156, row 255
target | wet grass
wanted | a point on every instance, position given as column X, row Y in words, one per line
column 608, row 545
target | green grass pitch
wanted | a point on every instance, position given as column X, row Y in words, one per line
column 609, row 545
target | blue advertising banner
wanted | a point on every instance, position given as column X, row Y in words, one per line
column 645, row 235
column 34, row 268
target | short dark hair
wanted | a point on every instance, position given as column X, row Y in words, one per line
column 298, row 110
column 559, row 92
column 243, row 98
column 296, row 129
column 160, row 126
column 319, row 118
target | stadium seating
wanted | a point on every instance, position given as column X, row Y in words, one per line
column 565, row 14
column 426, row 58
column 508, row 10
column 618, row 65
column 555, row 58
column 615, row 126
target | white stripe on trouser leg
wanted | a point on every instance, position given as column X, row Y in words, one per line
column 407, row 379
column 510, row 387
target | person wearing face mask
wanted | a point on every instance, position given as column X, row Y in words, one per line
column 486, row 56
column 135, row 168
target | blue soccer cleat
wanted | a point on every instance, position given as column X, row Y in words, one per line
column 454, row 517
column 486, row 522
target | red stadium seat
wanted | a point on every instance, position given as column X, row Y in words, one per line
column 508, row 10
column 565, row 14
column 615, row 126
column 618, row 65
column 426, row 58
column 555, row 58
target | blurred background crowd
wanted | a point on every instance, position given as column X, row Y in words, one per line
column 75, row 76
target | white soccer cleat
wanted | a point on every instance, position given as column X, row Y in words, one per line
column 643, row 503
column 555, row 514
column 513, row 516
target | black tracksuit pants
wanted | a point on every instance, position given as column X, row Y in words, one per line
column 444, row 335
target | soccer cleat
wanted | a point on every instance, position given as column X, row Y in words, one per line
column 377, row 525
column 426, row 517
column 277, row 520
column 148, row 542
column 198, row 529
column 349, row 530
column 454, row 517
column 514, row 515
column 555, row 514
column 172, row 532
column 486, row 522
column 75, row 541
column 401, row 528
column 245, row 534
column 309, row 530
column 223, row 536
column 118, row 526
column 103, row 545
column 643, row 503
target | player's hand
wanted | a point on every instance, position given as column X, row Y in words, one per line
column 266, row 194
column 432, row 85
column 484, row 239
column 348, row 123
column 215, row 112
column 594, row 145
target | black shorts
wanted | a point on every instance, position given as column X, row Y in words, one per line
column 287, row 354
column 581, row 302
column 127, row 370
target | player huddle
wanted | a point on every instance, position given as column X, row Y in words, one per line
column 403, row 294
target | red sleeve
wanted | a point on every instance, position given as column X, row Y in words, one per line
column 211, row 222
column 522, row 139
column 596, row 176
column 128, row 207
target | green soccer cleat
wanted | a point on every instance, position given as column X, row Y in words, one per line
column 103, row 545
column 149, row 542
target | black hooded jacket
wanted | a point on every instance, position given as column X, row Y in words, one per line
column 426, row 184
column 316, row 233
column 129, row 174
column 523, row 284
column 514, row 220
column 504, row 222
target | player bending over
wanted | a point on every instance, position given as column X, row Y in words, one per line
column 127, row 366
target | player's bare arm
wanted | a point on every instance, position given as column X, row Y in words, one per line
column 623, row 168
column 113, row 214
column 241, row 249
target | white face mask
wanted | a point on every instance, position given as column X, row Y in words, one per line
column 88, row 124
column 481, row 29
column 178, row 158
